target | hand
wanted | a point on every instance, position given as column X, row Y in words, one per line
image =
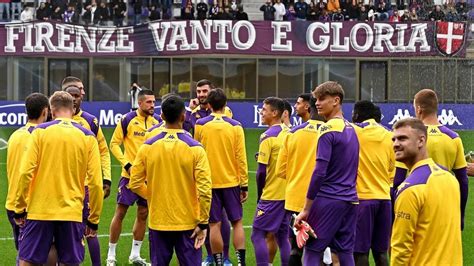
column 106, row 188
column 20, row 221
column 90, row 232
column 200, row 237
column 301, row 217
column 470, row 169
column 244, row 195
column 193, row 103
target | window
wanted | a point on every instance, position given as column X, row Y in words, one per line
column 106, row 80
column 3, row 78
column 399, row 81
column 373, row 81
column 266, row 78
column 290, row 78
column 30, row 76
column 139, row 72
column 211, row 69
column 161, row 76
column 465, row 80
column 61, row 68
column 311, row 75
column 426, row 74
column 343, row 71
column 241, row 78
column 181, row 79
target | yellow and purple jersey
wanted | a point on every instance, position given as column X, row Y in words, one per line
column 427, row 230
column 176, row 181
column 224, row 141
column 198, row 113
column 270, row 143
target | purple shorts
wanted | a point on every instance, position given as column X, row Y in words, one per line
column 334, row 222
column 227, row 199
column 126, row 197
column 373, row 226
column 37, row 237
column 271, row 216
column 162, row 244
column 15, row 228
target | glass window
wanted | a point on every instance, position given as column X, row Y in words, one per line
column 60, row 68
column 450, row 83
column 3, row 78
column 343, row 71
column 241, row 78
column 466, row 80
column 211, row 69
column 266, row 78
column 181, row 83
column 106, row 79
column 399, row 81
column 426, row 74
column 140, row 71
column 161, row 76
column 373, row 81
column 311, row 75
column 290, row 78
column 30, row 76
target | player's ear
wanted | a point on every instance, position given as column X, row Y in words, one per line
column 162, row 117
column 182, row 117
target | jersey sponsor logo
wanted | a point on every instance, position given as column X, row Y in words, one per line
column 260, row 213
column 433, row 131
column 325, row 128
column 402, row 215
column 138, row 134
column 447, row 117
column 171, row 137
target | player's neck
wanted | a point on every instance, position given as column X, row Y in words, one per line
column 141, row 113
column 422, row 155
column 274, row 122
column 36, row 121
column 174, row 126
column 336, row 113
column 77, row 111
column 218, row 111
column 205, row 106
column 306, row 117
column 430, row 120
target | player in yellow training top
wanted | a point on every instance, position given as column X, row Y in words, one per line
column 270, row 216
column 224, row 141
column 51, row 189
column 36, row 105
column 444, row 145
column 130, row 132
column 177, row 187
column 74, row 86
column 427, row 228
column 376, row 163
column 296, row 161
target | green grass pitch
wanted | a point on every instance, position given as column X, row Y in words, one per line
column 8, row 252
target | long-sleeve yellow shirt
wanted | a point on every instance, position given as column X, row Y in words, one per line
column 90, row 122
column 172, row 172
column 59, row 156
column 15, row 152
column 131, row 133
column 427, row 226
column 224, row 141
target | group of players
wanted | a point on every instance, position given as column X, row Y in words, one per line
column 187, row 172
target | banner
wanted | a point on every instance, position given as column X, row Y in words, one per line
column 455, row 116
column 225, row 37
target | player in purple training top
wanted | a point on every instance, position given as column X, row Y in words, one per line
column 333, row 183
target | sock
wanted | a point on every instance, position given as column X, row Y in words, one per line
column 136, row 246
column 225, row 232
column 260, row 246
column 345, row 258
column 111, row 253
column 240, row 254
column 94, row 250
column 218, row 259
column 284, row 246
column 312, row 257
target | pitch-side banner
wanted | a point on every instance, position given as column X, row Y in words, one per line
column 455, row 116
column 224, row 37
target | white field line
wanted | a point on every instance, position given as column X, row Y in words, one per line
column 104, row 235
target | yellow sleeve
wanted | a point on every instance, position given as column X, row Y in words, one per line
column 460, row 159
column 264, row 151
column 104, row 155
column 202, row 175
column 407, row 207
column 94, row 182
column 115, row 142
column 282, row 160
column 28, row 168
column 241, row 154
column 138, row 173
column 198, row 132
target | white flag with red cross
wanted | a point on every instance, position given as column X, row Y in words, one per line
column 450, row 37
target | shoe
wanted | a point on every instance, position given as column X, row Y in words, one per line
column 110, row 262
column 227, row 262
column 138, row 261
column 209, row 261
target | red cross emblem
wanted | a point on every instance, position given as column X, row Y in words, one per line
column 450, row 37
